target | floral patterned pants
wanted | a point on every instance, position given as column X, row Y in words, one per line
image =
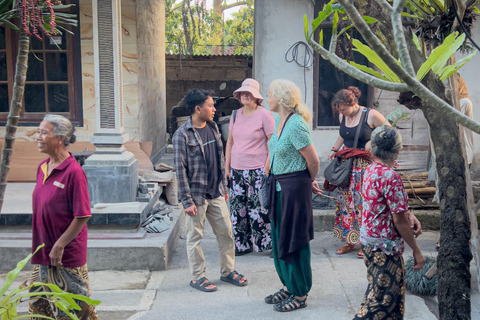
column 250, row 222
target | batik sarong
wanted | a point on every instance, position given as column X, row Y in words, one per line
column 73, row 280
column 385, row 295
column 348, row 213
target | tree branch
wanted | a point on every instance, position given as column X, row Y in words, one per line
column 413, row 84
column 235, row 4
column 385, row 5
column 354, row 72
column 399, row 36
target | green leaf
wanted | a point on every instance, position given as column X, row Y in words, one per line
column 439, row 57
column 395, row 116
column 448, row 72
column 320, row 38
column 322, row 15
column 338, row 7
column 408, row 15
column 367, row 70
column 305, row 21
column 11, row 25
column 369, row 20
column 65, row 309
column 416, row 41
column 449, row 51
column 345, row 29
column 376, row 60
column 12, row 275
column 475, row 9
column 335, row 23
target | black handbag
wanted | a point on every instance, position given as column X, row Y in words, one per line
column 339, row 171
column 264, row 194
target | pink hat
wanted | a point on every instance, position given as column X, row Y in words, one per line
column 249, row 85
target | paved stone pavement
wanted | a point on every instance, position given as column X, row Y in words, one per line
column 338, row 287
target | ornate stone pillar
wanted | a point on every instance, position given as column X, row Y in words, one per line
column 112, row 171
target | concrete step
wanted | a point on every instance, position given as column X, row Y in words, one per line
column 108, row 249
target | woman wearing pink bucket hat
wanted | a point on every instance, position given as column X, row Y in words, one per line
column 246, row 157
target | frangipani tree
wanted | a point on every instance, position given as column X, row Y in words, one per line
column 406, row 70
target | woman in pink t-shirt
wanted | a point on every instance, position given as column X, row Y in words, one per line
column 246, row 158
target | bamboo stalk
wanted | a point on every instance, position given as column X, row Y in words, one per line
column 421, row 191
column 416, row 184
column 415, row 176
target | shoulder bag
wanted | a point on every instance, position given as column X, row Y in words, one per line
column 339, row 171
column 264, row 194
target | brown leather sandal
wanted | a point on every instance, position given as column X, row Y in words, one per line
column 345, row 249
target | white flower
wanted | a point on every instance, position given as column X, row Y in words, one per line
column 238, row 190
column 254, row 214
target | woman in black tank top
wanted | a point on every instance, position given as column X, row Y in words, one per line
column 348, row 214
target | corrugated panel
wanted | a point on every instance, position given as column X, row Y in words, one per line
column 106, row 67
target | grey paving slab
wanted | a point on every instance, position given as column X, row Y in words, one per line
column 338, row 286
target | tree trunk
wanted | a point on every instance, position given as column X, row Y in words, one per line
column 14, row 114
column 218, row 9
column 454, row 256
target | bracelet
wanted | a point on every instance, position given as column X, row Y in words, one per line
column 334, row 149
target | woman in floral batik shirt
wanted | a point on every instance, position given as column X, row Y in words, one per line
column 385, row 227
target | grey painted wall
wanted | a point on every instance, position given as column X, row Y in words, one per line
column 278, row 25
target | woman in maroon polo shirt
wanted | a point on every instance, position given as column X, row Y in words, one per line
column 61, row 209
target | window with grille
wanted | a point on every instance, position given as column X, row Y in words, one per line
column 53, row 83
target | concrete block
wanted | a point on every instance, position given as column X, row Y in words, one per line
column 111, row 178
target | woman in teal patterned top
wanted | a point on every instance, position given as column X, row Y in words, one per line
column 294, row 165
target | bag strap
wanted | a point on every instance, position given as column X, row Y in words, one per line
column 288, row 117
column 234, row 114
column 359, row 127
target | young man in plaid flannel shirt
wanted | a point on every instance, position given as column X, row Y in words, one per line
column 202, row 189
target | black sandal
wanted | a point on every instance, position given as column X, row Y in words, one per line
column 278, row 296
column 290, row 304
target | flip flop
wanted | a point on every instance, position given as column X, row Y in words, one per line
column 235, row 281
column 202, row 284
column 360, row 254
column 345, row 249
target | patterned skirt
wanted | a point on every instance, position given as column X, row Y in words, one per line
column 250, row 222
column 348, row 213
column 73, row 280
column 385, row 295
